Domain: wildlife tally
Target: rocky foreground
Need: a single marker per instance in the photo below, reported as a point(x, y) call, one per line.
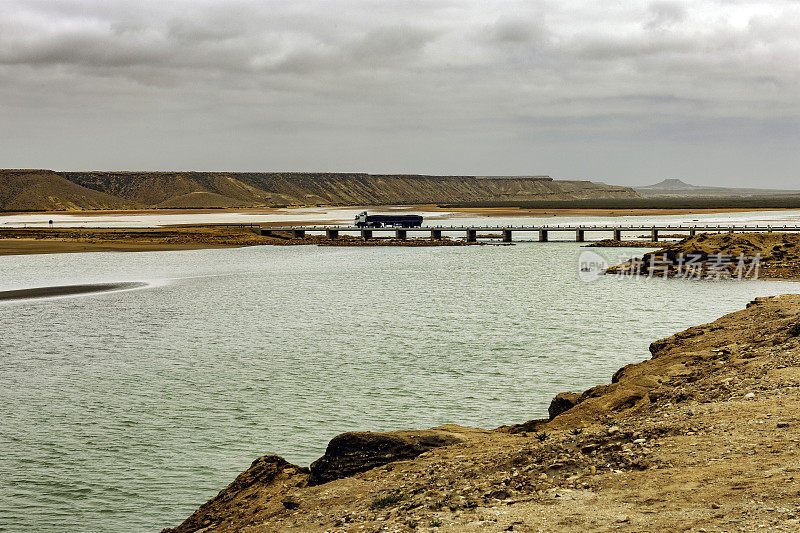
point(701, 437)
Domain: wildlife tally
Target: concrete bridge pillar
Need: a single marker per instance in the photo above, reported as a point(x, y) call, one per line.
point(692, 232)
point(654, 235)
point(730, 230)
point(472, 235)
point(436, 234)
point(506, 235)
point(332, 233)
point(579, 235)
point(366, 234)
point(617, 234)
point(542, 235)
point(401, 234)
point(298, 233)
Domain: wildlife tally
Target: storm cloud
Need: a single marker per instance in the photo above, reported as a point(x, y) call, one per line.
point(623, 92)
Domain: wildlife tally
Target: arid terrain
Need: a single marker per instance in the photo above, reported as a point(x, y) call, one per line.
point(47, 190)
point(702, 437)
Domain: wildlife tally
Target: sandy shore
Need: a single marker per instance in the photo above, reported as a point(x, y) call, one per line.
point(73, 240)
point(66, 290)
point(510, 212)
point(45, 241)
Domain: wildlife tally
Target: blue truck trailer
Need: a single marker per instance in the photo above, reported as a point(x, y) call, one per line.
point(363, 220)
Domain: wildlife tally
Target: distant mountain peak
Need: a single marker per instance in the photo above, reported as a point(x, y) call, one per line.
point(671, 183)
point(675, 188)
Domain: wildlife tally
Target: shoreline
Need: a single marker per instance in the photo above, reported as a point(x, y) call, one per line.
point(695, 437)
point(496, 211)
point(177, 238)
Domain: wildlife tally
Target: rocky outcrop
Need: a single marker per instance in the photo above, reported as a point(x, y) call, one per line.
point(259, 490)
point(270, 486)
point(351, 453)
point(721, 256)
point(562, 402)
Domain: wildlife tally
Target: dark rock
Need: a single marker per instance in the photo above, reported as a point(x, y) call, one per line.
point(621, 372)
point(499, 494)
point(659, 345)
point(530, 425)
point(290, 503)
point(351, 453)
point(589, 448)
point(563, 401)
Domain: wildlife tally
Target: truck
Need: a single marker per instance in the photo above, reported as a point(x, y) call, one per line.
point(363, 220)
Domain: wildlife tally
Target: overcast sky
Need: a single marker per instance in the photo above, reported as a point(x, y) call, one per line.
point(615, 91)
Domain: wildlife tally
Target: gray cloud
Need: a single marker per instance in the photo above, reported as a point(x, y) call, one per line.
point(440, 86)
point(665, 14)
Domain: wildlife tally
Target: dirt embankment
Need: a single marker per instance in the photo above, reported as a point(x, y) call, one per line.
point(722, 256)
point(702, 437)
point(614, 243)
point(45, 190)
point(50, 241)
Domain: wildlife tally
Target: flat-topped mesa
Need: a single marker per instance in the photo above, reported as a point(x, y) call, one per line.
point(37, 190)
point(535, 178)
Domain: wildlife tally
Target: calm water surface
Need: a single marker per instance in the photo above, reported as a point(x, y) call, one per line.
point(124, 411)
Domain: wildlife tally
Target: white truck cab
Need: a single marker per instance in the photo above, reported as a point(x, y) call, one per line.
point(361, 219)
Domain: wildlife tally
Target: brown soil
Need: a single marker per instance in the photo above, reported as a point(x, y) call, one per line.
point(48, 241)
point(702, 437)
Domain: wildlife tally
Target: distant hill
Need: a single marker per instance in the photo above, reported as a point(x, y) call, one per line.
point(45, 190)
point(40, 190)
point(675, 188)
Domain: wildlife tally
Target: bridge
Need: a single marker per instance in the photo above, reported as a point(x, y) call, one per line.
point(473, 233)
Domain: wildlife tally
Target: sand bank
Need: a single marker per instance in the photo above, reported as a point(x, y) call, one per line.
point(73, 240)
point(66, 290)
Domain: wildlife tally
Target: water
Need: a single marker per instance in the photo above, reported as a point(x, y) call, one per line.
point(124, 411)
